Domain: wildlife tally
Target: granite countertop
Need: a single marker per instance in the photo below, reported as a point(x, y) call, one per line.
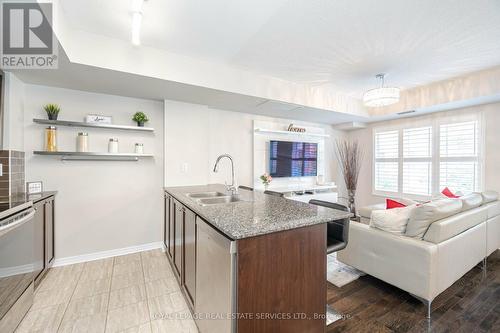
point(258, 214)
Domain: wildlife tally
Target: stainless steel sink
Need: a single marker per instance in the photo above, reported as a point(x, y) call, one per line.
point(219, 200)
point(200, 195)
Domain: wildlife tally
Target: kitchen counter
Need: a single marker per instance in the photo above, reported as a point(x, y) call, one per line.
point(13, 204)
point(258, 213)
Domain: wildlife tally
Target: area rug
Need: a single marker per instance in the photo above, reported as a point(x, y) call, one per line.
point(340, 274)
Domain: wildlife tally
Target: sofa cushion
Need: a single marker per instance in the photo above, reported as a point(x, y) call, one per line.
point(493, 209)
point(366, 211)
point(470, 201)
point(425, 214)
point(391, 220)
point(451, 226)
point(489, 196)
point(391, 204)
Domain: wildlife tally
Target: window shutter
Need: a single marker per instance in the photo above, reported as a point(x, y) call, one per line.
point(386, 144)
point(386, 161)
point(459, 156)
point(417, 161)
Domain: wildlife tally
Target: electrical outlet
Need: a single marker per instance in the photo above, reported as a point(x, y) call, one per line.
point(184, 168)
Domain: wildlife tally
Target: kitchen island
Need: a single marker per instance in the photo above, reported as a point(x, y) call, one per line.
point(250, 262)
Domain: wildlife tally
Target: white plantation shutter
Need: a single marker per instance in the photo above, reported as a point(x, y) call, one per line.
point(458, 140)
point(386, 145)
point(386, 161)
point(459, 157)
point(386, 176)
point(420, 161)
point(417, 161)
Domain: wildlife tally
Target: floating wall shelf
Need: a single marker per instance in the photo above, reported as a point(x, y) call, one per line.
point(262, 130)
point(91, 156)
point(84, 124)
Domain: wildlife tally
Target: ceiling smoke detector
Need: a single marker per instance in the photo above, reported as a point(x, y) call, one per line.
point(381, 96)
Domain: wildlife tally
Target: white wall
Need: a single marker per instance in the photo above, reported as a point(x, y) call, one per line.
point(12, 131)
point(196, 135)
point(100, 205)
point(491, 121)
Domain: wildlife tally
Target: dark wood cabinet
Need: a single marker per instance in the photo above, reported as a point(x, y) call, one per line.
point(180, 242)
point(178, 238)
point(39, 240)
point(171, 227)
point(44, 240)
point(189, 276)
point(49, 232)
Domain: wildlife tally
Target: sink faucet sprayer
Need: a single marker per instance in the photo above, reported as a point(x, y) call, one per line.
point(232, 187)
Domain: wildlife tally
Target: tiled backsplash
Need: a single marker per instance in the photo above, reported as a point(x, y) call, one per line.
point(12, 179)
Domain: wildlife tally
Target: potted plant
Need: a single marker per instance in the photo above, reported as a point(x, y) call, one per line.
point(140, 118)
point(266, 180)
point(52, 111)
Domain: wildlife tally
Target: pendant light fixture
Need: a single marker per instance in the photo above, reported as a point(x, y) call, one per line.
point(381, 96)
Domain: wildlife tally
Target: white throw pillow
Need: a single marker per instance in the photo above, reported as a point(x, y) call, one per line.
point(423, 215)
point(391, 220)
point(470, 201)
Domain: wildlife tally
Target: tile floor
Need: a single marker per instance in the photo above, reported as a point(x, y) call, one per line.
point(132, 293)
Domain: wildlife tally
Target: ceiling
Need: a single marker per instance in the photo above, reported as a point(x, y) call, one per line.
point(341, 43)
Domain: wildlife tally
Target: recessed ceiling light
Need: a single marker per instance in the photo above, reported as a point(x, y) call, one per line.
point(381, 96)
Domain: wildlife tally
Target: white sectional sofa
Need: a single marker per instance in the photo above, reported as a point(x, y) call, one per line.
point(460, 234)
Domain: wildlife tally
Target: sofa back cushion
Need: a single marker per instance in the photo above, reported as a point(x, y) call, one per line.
point(471, 201)
point(423, 215)
point(391, 220)
point(489, 196)
point(451, 226)
point(366, 211)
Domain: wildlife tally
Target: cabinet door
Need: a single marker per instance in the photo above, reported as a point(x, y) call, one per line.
point(178, 230)
point(39, 235)
point(49, 232)
point(189, 279)
point(166, 224)
point(171, 228)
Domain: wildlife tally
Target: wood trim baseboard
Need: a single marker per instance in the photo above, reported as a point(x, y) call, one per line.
point(107, 254)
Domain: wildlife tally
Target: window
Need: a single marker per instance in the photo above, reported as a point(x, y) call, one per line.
point(386, 161)
point(459, 156)
point(417, 161)
point(421, 161)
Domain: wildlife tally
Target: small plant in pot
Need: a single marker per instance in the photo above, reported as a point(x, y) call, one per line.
point(140, 118)
point(52, 111)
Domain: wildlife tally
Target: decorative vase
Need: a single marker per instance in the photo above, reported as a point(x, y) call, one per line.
point(352, 204)
point(52, 116)
point(266, 186)
point(140, 123)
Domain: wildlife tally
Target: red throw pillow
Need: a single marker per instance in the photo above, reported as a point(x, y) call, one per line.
point(390, 204)
point(446, 191)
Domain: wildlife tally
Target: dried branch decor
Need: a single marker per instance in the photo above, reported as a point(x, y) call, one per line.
point(350, 156)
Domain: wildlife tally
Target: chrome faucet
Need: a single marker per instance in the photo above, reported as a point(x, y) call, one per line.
point(232, 187)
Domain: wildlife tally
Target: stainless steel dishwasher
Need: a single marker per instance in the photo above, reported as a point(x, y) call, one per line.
point(215, 280)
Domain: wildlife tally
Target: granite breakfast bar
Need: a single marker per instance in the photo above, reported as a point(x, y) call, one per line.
point(250, 262)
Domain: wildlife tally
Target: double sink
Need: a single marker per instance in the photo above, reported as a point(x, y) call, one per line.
point(213, 198)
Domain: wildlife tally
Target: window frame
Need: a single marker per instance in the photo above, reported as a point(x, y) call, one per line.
point(435, 159)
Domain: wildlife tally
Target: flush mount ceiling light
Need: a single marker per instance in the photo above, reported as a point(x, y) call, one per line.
point(381, 96)
point(136, 21)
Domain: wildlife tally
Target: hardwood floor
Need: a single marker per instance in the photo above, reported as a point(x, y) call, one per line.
point(472, 304)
